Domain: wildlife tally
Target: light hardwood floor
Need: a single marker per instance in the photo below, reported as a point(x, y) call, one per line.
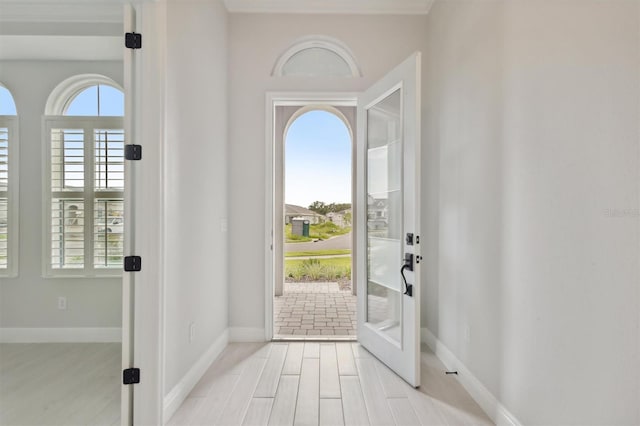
point(60, 383)
point(322, 384)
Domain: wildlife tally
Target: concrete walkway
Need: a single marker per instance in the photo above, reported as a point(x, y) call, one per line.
point(315, 309)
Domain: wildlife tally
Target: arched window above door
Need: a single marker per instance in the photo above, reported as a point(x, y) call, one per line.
point(317, 56)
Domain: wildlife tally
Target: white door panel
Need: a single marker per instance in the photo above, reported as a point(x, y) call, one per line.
point(388, 155)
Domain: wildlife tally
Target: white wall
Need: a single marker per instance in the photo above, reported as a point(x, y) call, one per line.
point(30, 301)
point(378, 43)
point(532, 110)
point(196, 278)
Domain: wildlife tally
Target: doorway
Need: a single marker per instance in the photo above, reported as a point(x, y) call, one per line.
point(317, 299)
point(312, 246)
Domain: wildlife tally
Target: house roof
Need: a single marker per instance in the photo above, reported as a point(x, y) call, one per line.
point(291, 209)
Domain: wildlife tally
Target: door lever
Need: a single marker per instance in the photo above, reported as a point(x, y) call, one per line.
point(408, 265)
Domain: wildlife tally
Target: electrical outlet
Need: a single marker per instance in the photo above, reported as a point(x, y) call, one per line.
point(192, 332)
point(62, 303)
point(224, 225)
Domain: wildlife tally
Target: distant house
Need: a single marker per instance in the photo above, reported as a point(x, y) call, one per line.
point(341, 219)
point(377, 213)
point(292, 211)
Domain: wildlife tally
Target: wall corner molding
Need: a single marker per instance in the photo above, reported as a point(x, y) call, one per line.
point(180, 391)
point(487, 401)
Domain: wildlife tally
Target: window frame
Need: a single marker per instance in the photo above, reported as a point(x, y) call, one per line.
point(13, 217)
point(88, 124)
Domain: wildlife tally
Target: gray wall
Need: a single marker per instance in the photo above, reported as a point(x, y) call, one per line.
point(195, 169)
point(531, 110)
point(30, 300)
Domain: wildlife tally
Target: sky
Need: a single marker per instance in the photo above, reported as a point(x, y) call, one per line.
point(317, 160)
point(7, 106)
point(111, 102)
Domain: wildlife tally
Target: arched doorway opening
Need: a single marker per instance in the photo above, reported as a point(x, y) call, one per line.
point(316, 299)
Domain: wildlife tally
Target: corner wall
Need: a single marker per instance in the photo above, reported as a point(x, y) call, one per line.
point(196, 277)
point(531, 109)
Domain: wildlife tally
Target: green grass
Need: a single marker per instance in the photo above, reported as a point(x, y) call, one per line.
point(317, 253)
point(318, 269)
point(321, 231)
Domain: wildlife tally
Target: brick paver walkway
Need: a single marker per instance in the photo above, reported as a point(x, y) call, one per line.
point(315, 309)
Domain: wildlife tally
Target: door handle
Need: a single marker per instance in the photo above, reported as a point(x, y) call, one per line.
point(408, 265)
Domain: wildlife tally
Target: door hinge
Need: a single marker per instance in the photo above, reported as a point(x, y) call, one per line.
point(130, 376)
point(133, 152)
point(132, 263)
point(133, 40)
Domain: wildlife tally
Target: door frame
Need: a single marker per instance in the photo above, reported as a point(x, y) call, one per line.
point(143, 327)
point(274, 250)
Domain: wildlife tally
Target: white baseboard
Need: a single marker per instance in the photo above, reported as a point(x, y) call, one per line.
point(60, 335)
point(485, 399)
point(179, 393)
point(246, 334)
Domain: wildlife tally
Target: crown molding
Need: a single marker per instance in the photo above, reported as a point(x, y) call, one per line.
point(368, 7)
point(66, 11)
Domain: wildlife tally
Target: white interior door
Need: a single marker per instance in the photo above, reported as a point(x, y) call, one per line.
point(388, 199)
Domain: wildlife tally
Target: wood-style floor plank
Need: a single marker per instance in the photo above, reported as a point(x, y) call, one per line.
point(402, 411)
point(293, 362)
point(311, 350)
point(346, 362)
point(239, 400)
point(308, 402)
point(271, 374)
point(258, 412)
point(377, 407)
point(216, 399)
point(329, 380)
point(393, 385)
point(284, 405)
point(353, 406)
point(331, 412)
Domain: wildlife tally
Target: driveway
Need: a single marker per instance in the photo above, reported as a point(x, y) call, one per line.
point(335, 243)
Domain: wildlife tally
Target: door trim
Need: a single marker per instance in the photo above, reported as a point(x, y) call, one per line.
point(273, 165)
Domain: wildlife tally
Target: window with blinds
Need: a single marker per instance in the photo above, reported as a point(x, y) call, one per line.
point(8, 196)
point(86, 168)
point(4, 198)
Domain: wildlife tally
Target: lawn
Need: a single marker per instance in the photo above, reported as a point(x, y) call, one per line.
point(321, 231)
point(330, 269)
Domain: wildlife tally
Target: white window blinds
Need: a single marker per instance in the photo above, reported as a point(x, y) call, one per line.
point(8, 196)
point(85, 196)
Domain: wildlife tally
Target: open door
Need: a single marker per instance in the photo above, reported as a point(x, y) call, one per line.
point(388, 200)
